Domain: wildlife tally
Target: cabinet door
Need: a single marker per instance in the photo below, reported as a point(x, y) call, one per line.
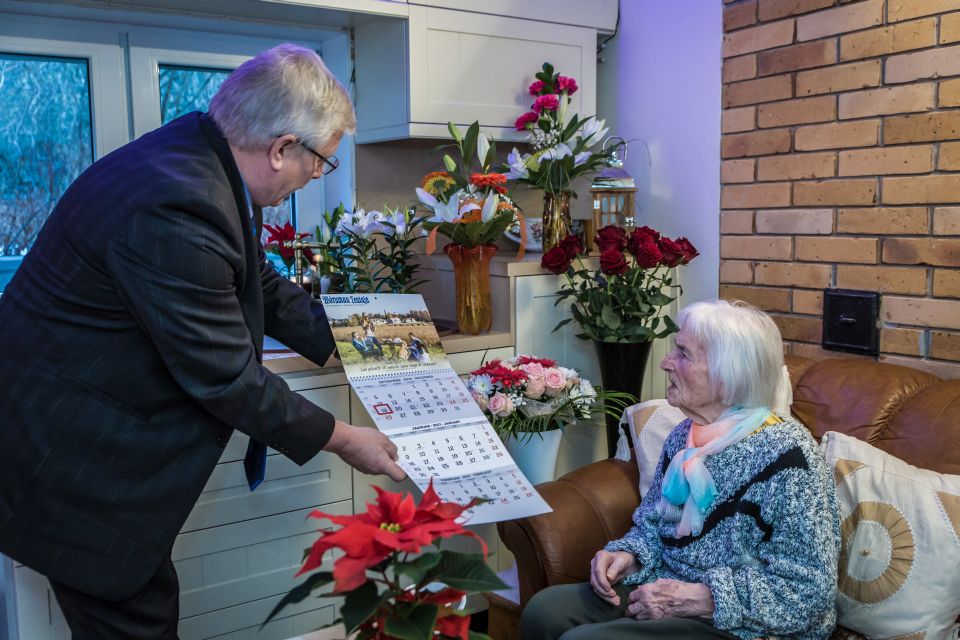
point(468, 66)
point(599, 14)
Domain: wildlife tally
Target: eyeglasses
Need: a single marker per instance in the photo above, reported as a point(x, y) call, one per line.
point(328, 165)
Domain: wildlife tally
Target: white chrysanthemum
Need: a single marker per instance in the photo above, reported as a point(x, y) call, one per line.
point(482, 384)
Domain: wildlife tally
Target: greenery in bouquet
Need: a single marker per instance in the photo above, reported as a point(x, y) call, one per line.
point(623, 300)
point(526, 395)
point(468, 201)
point(396, 581)
point(562, 142)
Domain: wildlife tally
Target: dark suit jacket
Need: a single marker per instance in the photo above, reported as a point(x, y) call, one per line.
point(131, 344)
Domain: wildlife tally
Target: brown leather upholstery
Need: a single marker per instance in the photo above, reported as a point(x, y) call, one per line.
point(910, 414)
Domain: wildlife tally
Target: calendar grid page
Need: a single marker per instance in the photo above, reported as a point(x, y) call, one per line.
point(394, 361)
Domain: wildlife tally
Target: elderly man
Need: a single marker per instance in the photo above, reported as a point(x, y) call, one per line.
point(132, 341)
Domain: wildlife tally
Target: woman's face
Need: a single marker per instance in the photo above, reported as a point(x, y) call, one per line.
point(689, 387)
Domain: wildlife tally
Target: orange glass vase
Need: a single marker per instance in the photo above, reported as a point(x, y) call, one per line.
point(471, 270)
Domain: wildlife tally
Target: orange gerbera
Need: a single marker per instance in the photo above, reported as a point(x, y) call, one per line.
point(484, 180)
point(437, 182)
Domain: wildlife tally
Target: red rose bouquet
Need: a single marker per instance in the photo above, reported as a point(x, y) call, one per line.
point(394, 585)
point(623, 300)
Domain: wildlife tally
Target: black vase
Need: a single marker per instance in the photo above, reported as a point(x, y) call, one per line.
point(622, 365)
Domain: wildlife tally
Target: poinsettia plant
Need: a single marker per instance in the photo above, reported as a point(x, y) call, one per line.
point(526, 395)
point(623, 299)
point(396, 586)
point(279, 243)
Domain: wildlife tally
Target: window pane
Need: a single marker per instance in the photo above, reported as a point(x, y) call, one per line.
point(46, 140)
point(186, 89)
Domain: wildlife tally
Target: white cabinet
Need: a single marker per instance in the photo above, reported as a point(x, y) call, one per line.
point(599, 14)
point(453, 66)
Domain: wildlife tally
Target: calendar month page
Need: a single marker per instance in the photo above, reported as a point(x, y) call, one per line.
point(396, 364)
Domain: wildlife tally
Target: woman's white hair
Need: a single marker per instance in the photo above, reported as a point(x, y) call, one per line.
point(744, 351)
point(286, 89)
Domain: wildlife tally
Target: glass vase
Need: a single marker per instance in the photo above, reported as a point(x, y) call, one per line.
point(557, 223)
point(471, 270)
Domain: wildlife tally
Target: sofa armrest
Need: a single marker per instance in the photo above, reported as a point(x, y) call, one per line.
point(591, 506)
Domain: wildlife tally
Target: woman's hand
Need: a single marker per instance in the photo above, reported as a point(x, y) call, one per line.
point(607, 569)
point(664, 598)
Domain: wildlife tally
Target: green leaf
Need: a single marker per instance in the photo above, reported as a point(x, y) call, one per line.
point(609, 317)
point(466, 572)
point(360, 604)
point(300, 592)
point(424, 617)
point(562, 322)
point(474, 635)
point(417, 569)
point(469, 146)
point(403, 629)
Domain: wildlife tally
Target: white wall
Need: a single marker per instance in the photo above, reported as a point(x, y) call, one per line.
point(661, 83)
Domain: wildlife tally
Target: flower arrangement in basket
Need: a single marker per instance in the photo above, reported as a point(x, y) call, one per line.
point(395, 585)
point(526, 395)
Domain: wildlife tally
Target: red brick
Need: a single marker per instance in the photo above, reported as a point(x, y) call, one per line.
point(797, 166)
point(835, 249)
point(737, 170)
point(766, 36)
point(740, 15)
point(756, 247)
point(755, 144)
point(949, 156)
point(945, 345)
point(950, 28)
point(802, 111)
point(945, 370)
point(883, 220)
point(946, 283)
point(764, 298)
point(755, 196)
point(835, 192)
point(815, 352)
point(734, 120)
point(741, 68)
point(949, 93)
point(736, 222)
point(844, 77)
point(756, 91)
point(882, 279)
point(946, 221)
point(892, 39)
point(921, 189)
point(905, 9)
point(773, 9)
point(840, 135)
point(796, 221)
point(840, 20)
point(886, 160)
point(904, 341)
point(799, 328)
point(926, 127)
point(873, 102)
point(793, 274)
point(808, 302)
point(921, 312)
point(736, 271)
point(922, 251)
point(796, 57)
point(932, 63)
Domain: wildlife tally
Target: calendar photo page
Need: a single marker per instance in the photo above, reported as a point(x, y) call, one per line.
point(395, 362)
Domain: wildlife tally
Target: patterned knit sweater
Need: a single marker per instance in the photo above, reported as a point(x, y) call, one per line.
point(770, 542)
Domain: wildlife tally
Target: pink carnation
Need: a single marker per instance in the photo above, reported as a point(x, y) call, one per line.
point(555, 381)
point(500, 405)
point(568, 85)
point(535, 388)
point(526, 119)
point(549, 102)
point(537, 87)
point(532, 369)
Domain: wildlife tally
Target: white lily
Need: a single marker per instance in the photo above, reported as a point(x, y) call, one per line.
point(483, 146)
point(398, 219)
point(593, 131)
point(324, 232)
point(517, 164)
point(361, 223)
point(489, 207)
point(581, 157)
point(445, 211)
point(559, 150)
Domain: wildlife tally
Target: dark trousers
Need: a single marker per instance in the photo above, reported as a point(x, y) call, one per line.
point(575, 612)
point(149, 614)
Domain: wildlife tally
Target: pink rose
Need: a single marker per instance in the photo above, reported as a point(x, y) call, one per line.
point(535, 388)
point(549, 102)
point(481, 399)
point(566, 84)
point(537, 87)
point(532, 369)
point(555, 381)
point(500, 405)
point(525, 120)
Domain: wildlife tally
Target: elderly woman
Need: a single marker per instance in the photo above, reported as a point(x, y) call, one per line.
point(738, 536)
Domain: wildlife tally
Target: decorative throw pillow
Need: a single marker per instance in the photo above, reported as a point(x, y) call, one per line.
point(900, 552)
point(649, 424)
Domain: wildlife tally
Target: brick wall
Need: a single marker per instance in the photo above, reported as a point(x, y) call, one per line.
point(841, 167)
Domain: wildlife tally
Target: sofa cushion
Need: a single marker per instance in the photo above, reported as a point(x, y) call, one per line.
point(901, 543)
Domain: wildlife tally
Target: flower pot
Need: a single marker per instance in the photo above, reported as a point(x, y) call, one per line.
point(622, 365)
point(471, 270)
point(536, 456)
point(557, 223)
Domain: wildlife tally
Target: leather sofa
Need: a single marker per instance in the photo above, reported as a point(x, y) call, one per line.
point(912, 415)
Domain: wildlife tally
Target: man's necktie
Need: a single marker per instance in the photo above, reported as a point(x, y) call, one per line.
point(255, 463)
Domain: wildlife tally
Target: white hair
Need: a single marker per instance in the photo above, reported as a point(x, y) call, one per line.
point(744, 351)
point(286, 89)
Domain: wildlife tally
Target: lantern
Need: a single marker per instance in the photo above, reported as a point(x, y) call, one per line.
point(613, 192)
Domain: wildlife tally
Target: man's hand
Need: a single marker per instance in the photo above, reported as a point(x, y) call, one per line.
point(365, 449)
point(664, 598)
point(607, 569)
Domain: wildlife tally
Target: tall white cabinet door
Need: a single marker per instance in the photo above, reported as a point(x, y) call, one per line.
point(599, 14)
point(469, 66)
